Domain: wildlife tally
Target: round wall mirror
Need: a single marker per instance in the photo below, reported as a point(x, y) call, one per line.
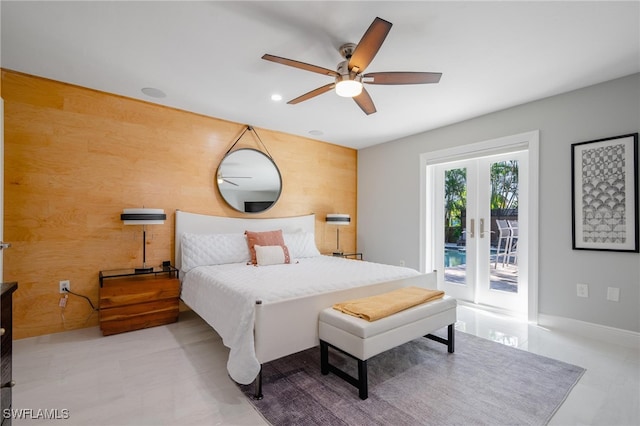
point(249, 180)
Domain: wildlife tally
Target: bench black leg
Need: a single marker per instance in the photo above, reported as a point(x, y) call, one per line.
point(362, 382)
point(363, 386)
point(325, 368)
point(451, 337)
point(449, 341)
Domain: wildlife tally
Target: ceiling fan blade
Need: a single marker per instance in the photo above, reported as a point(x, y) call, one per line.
point(369, 44)
point(400, 77)
point(313, 93)
point(365, 102)
point(301, 65)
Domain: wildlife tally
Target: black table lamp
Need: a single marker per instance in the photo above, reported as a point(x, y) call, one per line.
point(143, 217)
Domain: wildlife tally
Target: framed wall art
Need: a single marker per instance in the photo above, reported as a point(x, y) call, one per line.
point(604, 192)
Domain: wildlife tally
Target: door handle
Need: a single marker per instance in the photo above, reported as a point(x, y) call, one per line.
point(4, 245)
point(482, 231)
point(472, 232)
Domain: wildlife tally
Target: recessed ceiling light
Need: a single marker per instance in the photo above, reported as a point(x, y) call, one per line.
point(153, 92)
point(276, 97)
point(316, 132)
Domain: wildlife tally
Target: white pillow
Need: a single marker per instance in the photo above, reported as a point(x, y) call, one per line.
point(271, 255)
point(301, 244)
point(213, 249)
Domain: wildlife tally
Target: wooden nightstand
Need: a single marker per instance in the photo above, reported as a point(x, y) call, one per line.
point(131, 301)
point(357, 256)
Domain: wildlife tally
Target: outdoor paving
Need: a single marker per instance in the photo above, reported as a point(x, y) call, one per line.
point(504, 278)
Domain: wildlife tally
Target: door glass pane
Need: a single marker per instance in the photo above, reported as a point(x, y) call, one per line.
point(504, 224)
point(455, 205)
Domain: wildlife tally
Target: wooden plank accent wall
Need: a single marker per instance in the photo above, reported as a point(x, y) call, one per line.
point(75, 157)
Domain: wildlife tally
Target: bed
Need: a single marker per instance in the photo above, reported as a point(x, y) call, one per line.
point(267, 312)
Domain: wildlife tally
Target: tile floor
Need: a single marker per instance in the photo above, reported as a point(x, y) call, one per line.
point(176, 375)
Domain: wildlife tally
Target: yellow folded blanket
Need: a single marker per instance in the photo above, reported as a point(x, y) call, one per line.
point(382, 305)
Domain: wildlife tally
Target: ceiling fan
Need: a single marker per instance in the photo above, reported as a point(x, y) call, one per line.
point(349, 76)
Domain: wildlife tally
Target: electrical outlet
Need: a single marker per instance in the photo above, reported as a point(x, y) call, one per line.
point(583, 290)
point(65, 286)
point(613, 294)
point(402, 263)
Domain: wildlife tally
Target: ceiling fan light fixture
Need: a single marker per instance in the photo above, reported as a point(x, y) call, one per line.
point(348, 88)
point(349, 75)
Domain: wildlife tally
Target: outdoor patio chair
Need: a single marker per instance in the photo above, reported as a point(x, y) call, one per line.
point(513, 242)
point(504, 241)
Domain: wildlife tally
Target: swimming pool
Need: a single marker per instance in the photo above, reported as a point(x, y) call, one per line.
point(458, 256)
point(454, 257)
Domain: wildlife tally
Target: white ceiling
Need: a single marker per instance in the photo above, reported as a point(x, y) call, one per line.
point(206, 56)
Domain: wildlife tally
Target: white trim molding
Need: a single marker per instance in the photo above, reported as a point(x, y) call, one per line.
point(618, 336)
point(529, 141)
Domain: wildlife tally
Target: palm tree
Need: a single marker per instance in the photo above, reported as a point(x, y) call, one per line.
point(504, 185)
point(455, 196)
point(504, 193)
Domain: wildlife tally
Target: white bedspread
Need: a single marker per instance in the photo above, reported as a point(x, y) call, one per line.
point(225, 296)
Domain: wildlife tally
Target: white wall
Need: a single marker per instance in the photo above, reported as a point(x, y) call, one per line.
point(389, 185)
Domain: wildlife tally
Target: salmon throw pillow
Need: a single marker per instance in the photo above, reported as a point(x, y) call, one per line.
point(267, 238)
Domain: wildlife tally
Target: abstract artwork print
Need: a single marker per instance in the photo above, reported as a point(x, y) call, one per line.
point(604, 192)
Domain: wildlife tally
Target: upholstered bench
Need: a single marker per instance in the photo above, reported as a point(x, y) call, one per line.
point(361, 339)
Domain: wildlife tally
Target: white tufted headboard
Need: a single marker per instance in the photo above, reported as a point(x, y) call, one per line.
point(204, 224)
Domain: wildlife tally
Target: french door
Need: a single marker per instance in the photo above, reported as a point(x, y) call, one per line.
point(480, 228)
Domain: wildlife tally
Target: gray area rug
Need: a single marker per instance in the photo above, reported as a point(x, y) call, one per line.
point(419, 383)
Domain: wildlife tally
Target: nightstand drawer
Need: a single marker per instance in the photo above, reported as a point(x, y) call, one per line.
point(137, 316)
point(132, 290)
point(131, 301)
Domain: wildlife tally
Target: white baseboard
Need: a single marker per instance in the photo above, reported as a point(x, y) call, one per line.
point(493, 309)
point(603, 333)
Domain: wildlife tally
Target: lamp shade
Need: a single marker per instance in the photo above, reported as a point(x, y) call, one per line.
point(143, 216)
point(338, 219)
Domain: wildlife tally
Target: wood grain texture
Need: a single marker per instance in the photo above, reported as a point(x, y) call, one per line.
point(135, 302)
point(134, 317)
point(134, 290)
point(75, 157)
